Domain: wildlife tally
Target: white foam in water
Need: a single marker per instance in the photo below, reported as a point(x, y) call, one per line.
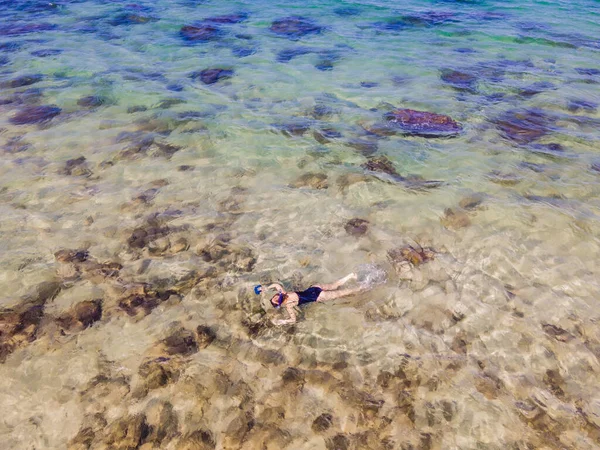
point(370, 275)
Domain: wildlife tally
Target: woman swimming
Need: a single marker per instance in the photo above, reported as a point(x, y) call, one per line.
point(315, 293)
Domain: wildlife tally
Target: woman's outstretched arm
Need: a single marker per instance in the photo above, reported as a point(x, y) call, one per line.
point(292, 319)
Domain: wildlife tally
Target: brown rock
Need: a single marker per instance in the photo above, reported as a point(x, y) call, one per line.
point(557, 333)
point(127, 433)
point(82, 440)
point(555, 382)
point(322, 423)
point(523, 126)
point(471, 201)
point(157, 373)
point(205, 335)
point(293, 376)
point(20, 325)
point(311, 180)
point(198, 440)
point(180, 342)
point(455, 219)
point(180, 245)
point(338, 442)
point(82, 316)
point(410, 254)
point(162, 422)
point(66, 255)
point(381, 164)
point(422, 123)
point(356, 227)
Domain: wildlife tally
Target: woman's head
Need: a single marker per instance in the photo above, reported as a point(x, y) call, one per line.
point(277, 299)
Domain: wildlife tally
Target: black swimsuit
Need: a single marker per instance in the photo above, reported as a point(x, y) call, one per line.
point(309, 295)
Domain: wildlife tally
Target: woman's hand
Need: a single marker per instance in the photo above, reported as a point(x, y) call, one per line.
point(280, 322)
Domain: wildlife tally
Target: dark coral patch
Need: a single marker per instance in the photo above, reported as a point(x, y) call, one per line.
point(286, 55)
point(92, 101)
point(587, 71)
point(16, 29)
point(294, 27)
point(422, 123)
point(458, 80)
point(200, 33)
point(35, 114)
point(23, 80)
point(131, 19)
point(46, 52)
point(523, 126)
point(211, 76)
point(347, 11)
point(228, 18)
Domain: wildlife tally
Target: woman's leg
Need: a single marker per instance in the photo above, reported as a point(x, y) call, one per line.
point(332, 295)
point(338, 283)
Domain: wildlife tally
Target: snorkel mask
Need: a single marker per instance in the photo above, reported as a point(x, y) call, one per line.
point(258, 289)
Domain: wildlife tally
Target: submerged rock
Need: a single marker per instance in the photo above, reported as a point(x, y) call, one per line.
point(229, 256)
point(76, 167)
point(205, 336)
point(383, 169)
point(16, 29)
point(322, 423)
point(227, 18)
point(22, 81)
point(211, 76)
point(294, 27)
point(557, 333)
point(131, 19)
point(504, 179)
point(92, 101)
point(455, 219)
point(294, 128)
point(326, 135)
point(35, 115)
point(458, 80)
point(422, 123)
point(127, 433)
point(43, 53)
point(19, 325)
point(142, 300)
point(162, 422)
point(82, 316)
point(365, 147)
point(180, 342)
point(200, 33)
point(356, 227)
point(587, 71)
point(410, 254)
point(67, 256)
point(380, 164)
point(346, 11)
point(311, 180)
point(552, 151)
point(197, 440)
point(523, 126)
point(471, 201)
point(576, 105)
point(286, 55)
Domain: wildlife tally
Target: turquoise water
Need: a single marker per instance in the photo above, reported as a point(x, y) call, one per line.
point(181, 188)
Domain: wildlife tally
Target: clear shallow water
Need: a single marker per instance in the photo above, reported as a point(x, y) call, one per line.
point(492, 344)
